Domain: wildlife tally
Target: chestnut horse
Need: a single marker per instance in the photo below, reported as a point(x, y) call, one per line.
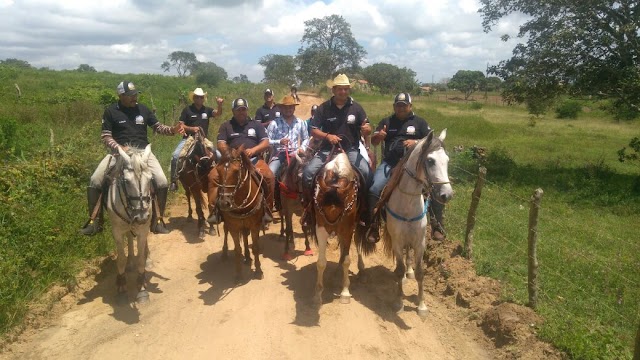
point(290, 197)
point(336, 205)
point(129, 207)
point(193, 175)
point(241, 203)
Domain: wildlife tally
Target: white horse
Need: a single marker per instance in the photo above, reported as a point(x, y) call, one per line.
point(129, 206)
point(423, 171)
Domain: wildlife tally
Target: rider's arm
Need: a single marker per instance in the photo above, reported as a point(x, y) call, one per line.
point(272, 132)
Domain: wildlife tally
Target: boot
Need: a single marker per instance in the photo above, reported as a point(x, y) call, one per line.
point(93, 225)
point(157, 223)
point(436, 217)
point(213, 218)
point(373, 234)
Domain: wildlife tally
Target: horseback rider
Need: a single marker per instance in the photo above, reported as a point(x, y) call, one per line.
point(124, 125)
point(194, 117)
point(338, 121)
point(241, 130)
point(400, 131)
point(287, 134)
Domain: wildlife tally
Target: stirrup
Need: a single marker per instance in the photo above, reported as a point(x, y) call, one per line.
point(91, 228)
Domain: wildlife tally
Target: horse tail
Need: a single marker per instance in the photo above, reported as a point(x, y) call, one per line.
point(366, 248)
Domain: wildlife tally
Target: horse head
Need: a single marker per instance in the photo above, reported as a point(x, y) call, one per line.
point(433, 163)
point(234, 169)
point(336, 189)
point(133, 182)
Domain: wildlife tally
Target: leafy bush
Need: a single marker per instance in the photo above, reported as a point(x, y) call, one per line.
point(568, 109)
point(8, 130)
point(476, 105)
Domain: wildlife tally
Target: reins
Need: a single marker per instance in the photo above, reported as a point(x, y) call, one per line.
point(245, 202)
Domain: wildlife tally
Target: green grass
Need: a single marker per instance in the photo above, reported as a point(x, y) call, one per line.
point(588, 252)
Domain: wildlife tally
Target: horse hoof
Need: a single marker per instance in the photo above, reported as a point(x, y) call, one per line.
point(345, 299)
point(308, 252)
point(148, 264)
point(411, 276)
point(286, 257)
point(423, 313)
point(212, 231)
point(142, 298)
point(258, 275)
point(404, 280)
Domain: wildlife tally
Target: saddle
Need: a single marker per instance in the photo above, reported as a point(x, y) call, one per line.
point(188, 149)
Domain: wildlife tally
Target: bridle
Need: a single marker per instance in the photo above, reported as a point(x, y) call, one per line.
point(126, 199)
point(245, 177)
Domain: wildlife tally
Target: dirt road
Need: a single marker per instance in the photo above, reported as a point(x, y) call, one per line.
point(196, 310)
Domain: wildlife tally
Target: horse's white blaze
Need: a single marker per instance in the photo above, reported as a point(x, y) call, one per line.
point(341, 166)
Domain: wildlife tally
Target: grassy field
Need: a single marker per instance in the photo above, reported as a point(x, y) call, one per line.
point(588, 252)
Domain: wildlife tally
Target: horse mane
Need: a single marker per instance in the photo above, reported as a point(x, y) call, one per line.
point(334, 179)
point(137, 164)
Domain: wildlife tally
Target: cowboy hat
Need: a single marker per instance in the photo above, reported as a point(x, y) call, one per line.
point(197, 92)
point(340, 80)
point(288, 100)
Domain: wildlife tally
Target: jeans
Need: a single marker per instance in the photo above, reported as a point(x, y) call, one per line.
point(109, 161)
point(318, 161)
point(174, 159)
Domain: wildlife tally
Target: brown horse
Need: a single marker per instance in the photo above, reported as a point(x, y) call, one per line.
point(336, 206)
point(193, 173)
point(290, 197)
point(241, 202)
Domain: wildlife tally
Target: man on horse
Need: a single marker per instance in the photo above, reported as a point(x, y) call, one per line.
point(286, 134)
point(238, 131)
point(125, 124)
point(339, 121)
point(399, 132)
point(194, 117)
point(268, 111)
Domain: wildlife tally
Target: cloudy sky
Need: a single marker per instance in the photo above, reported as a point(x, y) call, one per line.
point(435, 38)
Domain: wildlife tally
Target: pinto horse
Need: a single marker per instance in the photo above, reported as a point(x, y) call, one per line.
point(129, 207)
point(193, 174)
point(241, 202)
point(290, 194)
point(423, 170)
point(336, 206)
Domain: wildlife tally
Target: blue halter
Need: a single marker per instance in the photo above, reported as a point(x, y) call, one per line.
point(419, 217)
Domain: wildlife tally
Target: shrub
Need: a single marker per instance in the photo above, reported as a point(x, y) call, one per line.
point(568, 109)
point(476, 105)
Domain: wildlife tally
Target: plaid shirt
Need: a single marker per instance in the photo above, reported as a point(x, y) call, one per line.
point(279, 129)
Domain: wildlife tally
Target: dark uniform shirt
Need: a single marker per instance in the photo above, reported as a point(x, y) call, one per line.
point(345, 122)
point(265, 114)
point(250, 134)
point(414, 127)
point(194, 117)
point(128, 126)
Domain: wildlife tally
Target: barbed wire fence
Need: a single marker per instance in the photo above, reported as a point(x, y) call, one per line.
point(585, 277)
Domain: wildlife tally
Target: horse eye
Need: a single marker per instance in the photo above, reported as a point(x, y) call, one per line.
point(431, 162)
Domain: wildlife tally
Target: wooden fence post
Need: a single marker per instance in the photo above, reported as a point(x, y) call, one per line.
point(471, 216)
point(532, 254)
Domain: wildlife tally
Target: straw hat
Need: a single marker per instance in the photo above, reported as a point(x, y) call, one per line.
point(288, 100)
point(197, 92)
point(340, 80)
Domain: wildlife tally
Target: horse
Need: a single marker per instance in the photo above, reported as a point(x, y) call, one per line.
point(423, 170)
point(193, 175)
point(336, 206)
point(129, 207)
point(241, 203)
point(290, 185)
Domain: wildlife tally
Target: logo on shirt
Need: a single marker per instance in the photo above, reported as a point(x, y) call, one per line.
point(411, 130)
point(204, 116)
point(351, 119)
point(251, 132)
point(139, 120)
point(277, 113)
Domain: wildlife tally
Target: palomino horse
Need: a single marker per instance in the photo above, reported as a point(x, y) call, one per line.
point(241, 203)
point(421, 171)
point(290, 194)
point(129, 206)
point(336, 206)
point(193, 175)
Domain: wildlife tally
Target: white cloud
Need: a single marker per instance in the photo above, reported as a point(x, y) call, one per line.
point(435, 38)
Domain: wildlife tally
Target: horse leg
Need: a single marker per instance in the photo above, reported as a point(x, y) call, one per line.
point(422, 307)
point(131, 255)
point(285, 227)
point(321, 264)
point(247, 252)
point(235, 235)
point(255, 242)
point(400, 270)
point(201, 222)
point(345, 295)
point(409, 274)
point(190, 211)
point(121, 263)
point(143, 295)
point(225, 246)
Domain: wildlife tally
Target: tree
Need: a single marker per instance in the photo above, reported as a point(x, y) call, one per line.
point(390, 78)
point(86, 68)
point(184, 62)
point(209, 73)
point(242, 79)
point(280, 69)
point(572, 46)
point(492, 83)
point(467, 81)
point(327, 45)
point(17, 63)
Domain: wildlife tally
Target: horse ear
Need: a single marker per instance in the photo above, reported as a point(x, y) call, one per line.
point(443, 134)
point(123, 154)
point(147, 152)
